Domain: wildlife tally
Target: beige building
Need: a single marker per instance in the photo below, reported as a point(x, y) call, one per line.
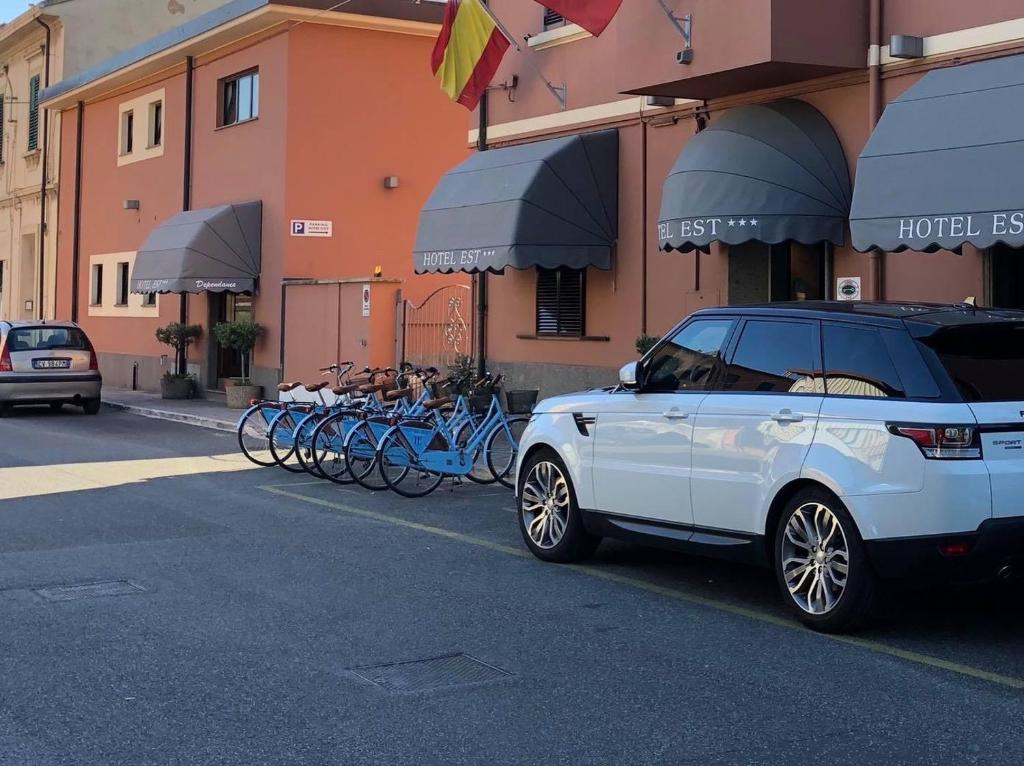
point(52, 40)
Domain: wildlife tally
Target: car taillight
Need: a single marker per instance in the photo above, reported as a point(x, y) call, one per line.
point(94, 363)
point(5, 360)
point(942, 442)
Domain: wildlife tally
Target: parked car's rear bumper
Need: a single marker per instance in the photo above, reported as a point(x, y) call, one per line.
point(994, 546)
point(26, 388)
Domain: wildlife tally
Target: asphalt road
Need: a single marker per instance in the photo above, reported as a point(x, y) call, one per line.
point(165, 604)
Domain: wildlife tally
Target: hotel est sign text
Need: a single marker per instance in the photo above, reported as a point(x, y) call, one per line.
point(959, 227)
point(442, 259)
point(706, 227)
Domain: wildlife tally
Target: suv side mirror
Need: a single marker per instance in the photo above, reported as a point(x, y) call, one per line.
point(628, 376)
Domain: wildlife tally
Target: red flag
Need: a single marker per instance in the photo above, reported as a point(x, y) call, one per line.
point(468, 51)
point(592, 15)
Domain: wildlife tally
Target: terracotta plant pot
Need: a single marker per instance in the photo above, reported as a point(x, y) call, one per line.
point(239, 396)
point(176, 388)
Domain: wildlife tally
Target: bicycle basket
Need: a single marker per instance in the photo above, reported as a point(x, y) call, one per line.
point(521, 402)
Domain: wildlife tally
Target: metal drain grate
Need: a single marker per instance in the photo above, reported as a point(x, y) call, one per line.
point(434, 673)
point(89, 590)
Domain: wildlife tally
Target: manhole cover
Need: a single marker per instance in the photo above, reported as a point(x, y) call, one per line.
point(434, 673)
point(76, 591)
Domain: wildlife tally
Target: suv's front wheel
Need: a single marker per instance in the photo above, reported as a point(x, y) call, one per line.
point(549, 517)
point(821, 565)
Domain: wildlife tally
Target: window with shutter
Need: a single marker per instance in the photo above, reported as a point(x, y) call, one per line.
point(33, 113)
point(552, 19)
point(561, 302)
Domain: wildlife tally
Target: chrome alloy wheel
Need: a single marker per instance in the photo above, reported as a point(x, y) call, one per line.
point(545, 505)
point(815, 558)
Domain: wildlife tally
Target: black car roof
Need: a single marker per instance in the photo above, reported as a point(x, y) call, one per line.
point(880, 313)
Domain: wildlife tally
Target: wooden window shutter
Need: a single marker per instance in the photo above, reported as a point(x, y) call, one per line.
point(561, 302)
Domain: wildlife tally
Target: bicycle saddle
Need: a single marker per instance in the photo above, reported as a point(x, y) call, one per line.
point(284, 388)
point(394, 396)
point(342, 390)
point(316, 387)
point(433, 404)
point(373, 388)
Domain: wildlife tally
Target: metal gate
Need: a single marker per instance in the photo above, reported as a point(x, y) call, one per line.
point(439, 329)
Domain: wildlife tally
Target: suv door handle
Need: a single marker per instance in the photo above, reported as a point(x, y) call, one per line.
point(675, 414)
point(787, 416)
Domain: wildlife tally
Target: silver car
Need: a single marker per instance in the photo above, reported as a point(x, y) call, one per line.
point(48, 363)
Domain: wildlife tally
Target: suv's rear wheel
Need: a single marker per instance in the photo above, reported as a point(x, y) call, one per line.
point(820, 563)
point(91, 406)
point(549, 517)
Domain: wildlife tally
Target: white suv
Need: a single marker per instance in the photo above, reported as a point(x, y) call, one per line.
point(838, 443)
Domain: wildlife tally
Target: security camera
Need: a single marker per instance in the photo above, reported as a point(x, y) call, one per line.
point(685, 56)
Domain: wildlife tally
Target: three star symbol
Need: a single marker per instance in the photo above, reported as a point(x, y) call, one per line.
point(742, 222)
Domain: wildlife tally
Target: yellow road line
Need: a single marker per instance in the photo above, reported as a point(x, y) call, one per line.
point(673, 593)
point(38, 480)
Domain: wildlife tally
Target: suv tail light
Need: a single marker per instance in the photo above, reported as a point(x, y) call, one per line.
point(94, 363)
point(5, 360)
point(942, 442)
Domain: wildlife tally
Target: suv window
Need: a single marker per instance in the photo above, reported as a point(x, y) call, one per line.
point(774, 357)
point(45, 338)
point(985, 362)
point(857, 363)
point(687, 360)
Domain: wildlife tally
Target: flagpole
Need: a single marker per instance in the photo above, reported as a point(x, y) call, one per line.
point(561, 93)
point(481, 277)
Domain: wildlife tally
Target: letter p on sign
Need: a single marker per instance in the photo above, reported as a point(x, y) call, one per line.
point(298, 228)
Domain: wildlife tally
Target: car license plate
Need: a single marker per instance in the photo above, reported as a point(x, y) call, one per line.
point(51, 364)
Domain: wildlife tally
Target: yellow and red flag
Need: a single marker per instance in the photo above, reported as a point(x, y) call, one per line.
point(468, 51)
point(593, 15)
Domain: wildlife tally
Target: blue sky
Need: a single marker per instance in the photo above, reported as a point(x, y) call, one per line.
point(11, 8)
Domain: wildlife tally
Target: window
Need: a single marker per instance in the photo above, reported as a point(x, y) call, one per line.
point(561, 304)
point(857, 363)
point(149, 299)
point(156, 123)
point(689, 360)
point(43, 338)
point(33, 113)
point(552, 20)
point(122, 284)
point(984, 361)
point(127, 132)
point(774, 357)
point(97, 285)
point(239, 98)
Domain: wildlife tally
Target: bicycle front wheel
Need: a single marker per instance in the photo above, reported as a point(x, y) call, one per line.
point(329, 450)
point(254, 436)
point(361, 457)
point(502, 449)
point(282, 443)
point(400, 469)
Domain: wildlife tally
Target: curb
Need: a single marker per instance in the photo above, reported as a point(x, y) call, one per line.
point(177, 417)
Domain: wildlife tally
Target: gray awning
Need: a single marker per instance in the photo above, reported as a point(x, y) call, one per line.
point(550, 203)
point(943, 167)
point(216, 249)
point(767, 172)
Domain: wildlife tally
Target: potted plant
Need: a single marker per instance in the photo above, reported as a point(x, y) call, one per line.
point(241, 336)
point(645, 343)
point(179, 384)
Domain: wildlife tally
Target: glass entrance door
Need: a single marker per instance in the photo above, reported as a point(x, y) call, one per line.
point(225, 307)
point(763, 273)
point(1007, 277)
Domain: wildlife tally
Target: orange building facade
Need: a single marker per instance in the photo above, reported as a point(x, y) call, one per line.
point(660, 82)
point(330, 120)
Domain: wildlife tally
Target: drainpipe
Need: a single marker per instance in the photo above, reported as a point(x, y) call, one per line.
point(76, 240)
point(876, 258)
point(643, 236)
point(481, 278)
point(186, 198)
point(44, 159)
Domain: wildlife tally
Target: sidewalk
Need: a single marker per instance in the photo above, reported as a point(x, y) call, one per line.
point(204, 413)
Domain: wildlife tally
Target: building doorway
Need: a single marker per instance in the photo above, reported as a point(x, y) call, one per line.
point(1006, 277)
point(226, 363)
point(27, 281)
point(789, 271)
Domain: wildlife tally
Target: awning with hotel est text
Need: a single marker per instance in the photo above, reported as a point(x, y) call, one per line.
point(216, 249)
point(549, 203)
point(945, 165)
point(766, 172)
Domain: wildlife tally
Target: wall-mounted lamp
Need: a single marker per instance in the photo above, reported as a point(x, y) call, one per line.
point(906, 47)
point(391, 182)
point(378, 272)
point(131, 204)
